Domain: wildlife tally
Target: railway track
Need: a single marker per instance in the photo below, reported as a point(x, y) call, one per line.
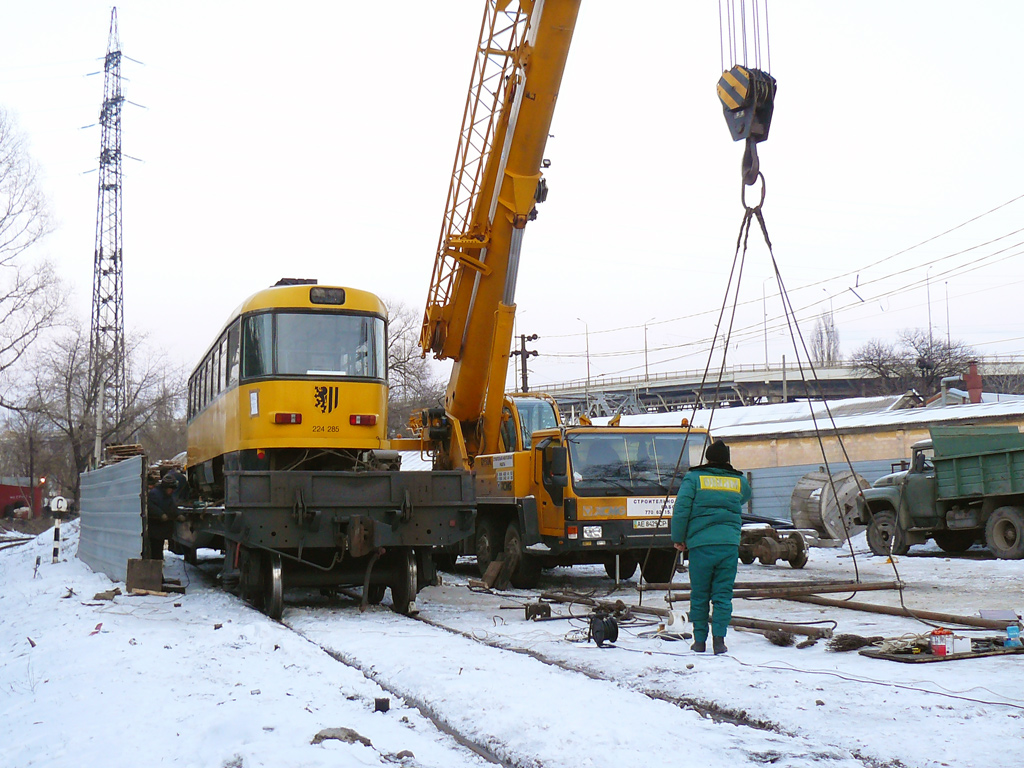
point(469, 683)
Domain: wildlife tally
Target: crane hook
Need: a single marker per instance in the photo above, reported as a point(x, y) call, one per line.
point(748, 100)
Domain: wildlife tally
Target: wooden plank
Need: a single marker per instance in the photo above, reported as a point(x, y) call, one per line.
point(145, 574)
point(925, 658)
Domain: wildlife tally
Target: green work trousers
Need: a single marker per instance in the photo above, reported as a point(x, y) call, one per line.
point(712, 575)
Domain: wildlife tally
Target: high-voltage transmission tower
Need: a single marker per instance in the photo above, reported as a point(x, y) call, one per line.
point(106, 343)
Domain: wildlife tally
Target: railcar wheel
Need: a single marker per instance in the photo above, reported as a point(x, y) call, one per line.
point(524, 570)
point(445, 561)
point(273, 585)
point(746, 557)
point(885, 536)
point(1004, 533)
point(375, 593)
point(404, 586)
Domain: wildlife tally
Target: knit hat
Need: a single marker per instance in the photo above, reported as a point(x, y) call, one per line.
point(717, 453)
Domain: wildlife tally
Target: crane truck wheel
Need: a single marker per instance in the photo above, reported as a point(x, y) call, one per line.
point(658, 566)
point(885, 536)
point(487, 543)
point(955, 541)
point(525, 570)
point(627, 566)
point(1004, 533)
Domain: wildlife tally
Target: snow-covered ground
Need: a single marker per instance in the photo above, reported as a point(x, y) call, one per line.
point(202, 680)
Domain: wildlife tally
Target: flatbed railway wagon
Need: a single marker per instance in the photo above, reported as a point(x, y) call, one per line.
point(288, 452)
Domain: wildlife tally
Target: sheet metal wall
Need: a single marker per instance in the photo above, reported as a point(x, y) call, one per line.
point(112, 511)
point(772, 487)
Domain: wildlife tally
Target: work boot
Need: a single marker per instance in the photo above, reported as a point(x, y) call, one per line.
point(718, 644)
point(699, 646)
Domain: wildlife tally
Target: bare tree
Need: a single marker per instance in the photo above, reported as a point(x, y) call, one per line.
point(413, 384)
point(916, 360)
point(65, 392)
point(825, 340)
point(30, 296)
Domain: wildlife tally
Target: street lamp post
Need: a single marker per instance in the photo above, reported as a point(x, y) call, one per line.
point(647, 373)
point(764, 317)
point(928, 294)
point(586, 330)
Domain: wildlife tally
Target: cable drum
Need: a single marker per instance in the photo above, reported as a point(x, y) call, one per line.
point(814, 504)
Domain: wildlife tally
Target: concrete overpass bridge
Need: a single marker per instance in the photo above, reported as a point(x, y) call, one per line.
point(741, 385)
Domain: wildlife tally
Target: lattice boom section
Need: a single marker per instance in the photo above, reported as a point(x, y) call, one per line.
point(501, 34)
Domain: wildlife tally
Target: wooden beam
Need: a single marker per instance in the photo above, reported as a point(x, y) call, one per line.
point(780, 592)
point(946, 618)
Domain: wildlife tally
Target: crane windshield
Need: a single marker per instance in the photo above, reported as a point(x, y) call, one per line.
point(637, 463)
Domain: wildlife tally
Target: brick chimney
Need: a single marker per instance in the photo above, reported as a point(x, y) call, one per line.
point(973, 382)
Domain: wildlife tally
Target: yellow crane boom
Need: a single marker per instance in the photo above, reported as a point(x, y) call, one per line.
point(495, 185)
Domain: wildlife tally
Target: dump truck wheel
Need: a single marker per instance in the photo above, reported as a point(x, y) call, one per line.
point(525, 570)
point(1004, 533)
point(955, 541)
point(627, 566)
point(885, 536)
point(487, 543)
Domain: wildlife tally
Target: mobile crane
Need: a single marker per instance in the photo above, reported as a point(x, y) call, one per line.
point(547, 493)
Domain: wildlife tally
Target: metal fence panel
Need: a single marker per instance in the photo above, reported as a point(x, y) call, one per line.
point(772, 487)
point(112, 512)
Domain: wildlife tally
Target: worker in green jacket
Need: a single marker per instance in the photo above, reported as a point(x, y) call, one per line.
point(706, 522)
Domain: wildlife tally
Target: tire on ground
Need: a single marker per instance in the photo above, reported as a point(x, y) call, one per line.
point(1004, 533)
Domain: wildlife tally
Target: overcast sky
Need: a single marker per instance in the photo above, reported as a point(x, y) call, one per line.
point(316, 140)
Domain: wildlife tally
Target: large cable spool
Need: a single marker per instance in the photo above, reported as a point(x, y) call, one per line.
point(814, 503)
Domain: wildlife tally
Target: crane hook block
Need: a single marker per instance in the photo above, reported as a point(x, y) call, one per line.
point(748, 99)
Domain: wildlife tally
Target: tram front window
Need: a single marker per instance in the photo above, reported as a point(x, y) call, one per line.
point(319, 344)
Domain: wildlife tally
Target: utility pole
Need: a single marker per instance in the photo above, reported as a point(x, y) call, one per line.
point(524, 353)
point(106, 341)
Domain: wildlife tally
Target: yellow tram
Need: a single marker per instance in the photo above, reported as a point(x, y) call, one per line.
point(296, 380)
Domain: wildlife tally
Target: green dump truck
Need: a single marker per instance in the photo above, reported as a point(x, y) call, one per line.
point(964, 485)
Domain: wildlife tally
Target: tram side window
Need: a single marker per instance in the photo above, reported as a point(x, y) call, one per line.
point(207, 381)
point(232, 355)
point(257, 338)
point(215, 373)
point(223, 373)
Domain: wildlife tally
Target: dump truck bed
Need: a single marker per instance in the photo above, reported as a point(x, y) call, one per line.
point(978, 461)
